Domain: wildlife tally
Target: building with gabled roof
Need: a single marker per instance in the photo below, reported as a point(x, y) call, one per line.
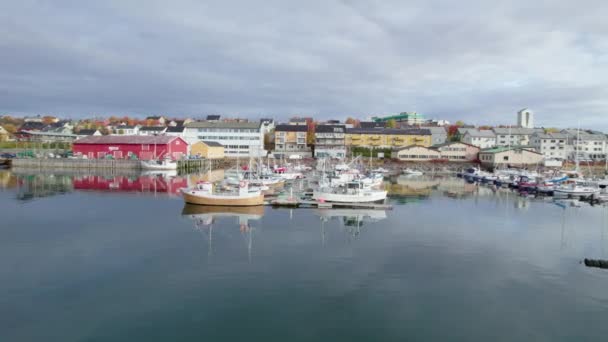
point(131, 146)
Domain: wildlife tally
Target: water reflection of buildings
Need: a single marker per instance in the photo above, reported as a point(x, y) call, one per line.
point(40, 185)
point(153, 183)
point(205, 217)
point(30, 186)
point(7, 180)
point(352, 220)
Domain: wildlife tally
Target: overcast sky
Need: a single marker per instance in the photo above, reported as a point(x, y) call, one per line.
point(479, 61)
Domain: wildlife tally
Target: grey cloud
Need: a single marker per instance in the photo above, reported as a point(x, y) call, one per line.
point(474, 60)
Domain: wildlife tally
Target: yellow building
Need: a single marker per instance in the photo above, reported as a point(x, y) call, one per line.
point(387, 137)
point(291, 140)
point(207, 150)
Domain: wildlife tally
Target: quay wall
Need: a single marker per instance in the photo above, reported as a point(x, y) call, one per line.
point(107, 164)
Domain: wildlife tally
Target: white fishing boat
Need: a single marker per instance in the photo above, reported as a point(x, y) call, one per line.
point(412, 172)
point(352, 192)
point(575, 190)
point(205, 193)
point(380, 170)
point(375, 179)
point(165, 164)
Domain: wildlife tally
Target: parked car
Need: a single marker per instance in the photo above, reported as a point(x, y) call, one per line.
point(8, 156)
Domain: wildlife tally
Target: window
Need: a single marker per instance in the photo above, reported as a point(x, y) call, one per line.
point(145, 147)
point(505, 158)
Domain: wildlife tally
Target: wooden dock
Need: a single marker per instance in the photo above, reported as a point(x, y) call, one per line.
point(299, 203)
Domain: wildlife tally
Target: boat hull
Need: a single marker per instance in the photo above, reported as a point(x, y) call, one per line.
point(232, 201)
point(368, 197)
point(161, 167)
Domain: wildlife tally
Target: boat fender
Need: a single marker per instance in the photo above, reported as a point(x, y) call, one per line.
point(599, 263)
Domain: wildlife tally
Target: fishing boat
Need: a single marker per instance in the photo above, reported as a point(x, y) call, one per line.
point(205, 193)
point(412, 172)
point(165, 164)
point(575, 190)
point(351, 192)
point(380, 170)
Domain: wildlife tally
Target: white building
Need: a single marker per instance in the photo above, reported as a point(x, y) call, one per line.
point(590, 145)
point(551, 145)
point(152, 130)
point(243, 139)
point(513, 136)
point(525, 118)
point(330, 141)
point(126, 130)
point(482, 139)
point(175, 131)
point(268, 125)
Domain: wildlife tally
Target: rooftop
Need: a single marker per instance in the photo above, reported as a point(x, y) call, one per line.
point(175, 129)
point(153, 128)
point(212, 143)
point(500, 149)
point(392, 131)
point(291, 128)
point(232, 124)
point(481, 134)
point(330, 129)
point(514, 131)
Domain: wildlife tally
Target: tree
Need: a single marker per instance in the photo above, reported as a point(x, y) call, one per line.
point(310, 134)
point(551, 130)
point(47, 120)
point(352, 121)
point(459, 123)
point(269, 141)
point(391, 123)
point(10, 128)
point(121, 131)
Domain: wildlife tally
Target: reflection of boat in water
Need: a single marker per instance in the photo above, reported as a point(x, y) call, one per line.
point(165, 164)
point(204, 218)
point(250, 213)
point(371, 215)
point(162, 173)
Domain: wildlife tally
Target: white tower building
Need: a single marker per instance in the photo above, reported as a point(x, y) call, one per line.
point(525, 118)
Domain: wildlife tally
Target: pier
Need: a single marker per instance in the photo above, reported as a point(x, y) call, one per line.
point(298, 203)
point(187, 165)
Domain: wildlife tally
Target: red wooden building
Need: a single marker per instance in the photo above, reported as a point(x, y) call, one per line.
point(125, 146)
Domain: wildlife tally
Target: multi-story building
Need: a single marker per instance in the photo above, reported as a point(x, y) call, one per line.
point(291, 140)
point(458, 152)
point(438, 134)
point(551, 145)
point(589, 145)
point(152, 130)
point(267, 125)
point(387, 138)
point(329, 141)
point(480, 138)
point(242, 139)
point(505, 156)
point(409, 118)
point(126, 130)
point(513, 136)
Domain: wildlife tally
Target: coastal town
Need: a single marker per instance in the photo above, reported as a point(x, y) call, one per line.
point(406, 137)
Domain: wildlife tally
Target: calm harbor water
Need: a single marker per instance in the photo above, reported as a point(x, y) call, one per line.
point(106, 258)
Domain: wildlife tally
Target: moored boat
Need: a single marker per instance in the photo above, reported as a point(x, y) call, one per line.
point(165, 164)
point(352, 192)
point(205, 194)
